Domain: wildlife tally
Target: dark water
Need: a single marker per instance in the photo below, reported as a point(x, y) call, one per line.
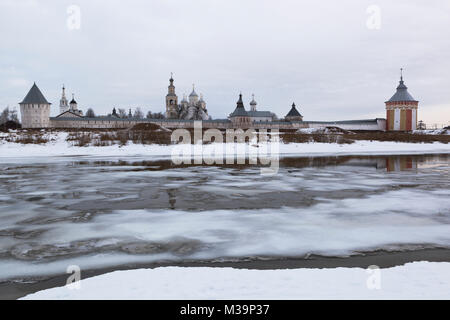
point(96, 212)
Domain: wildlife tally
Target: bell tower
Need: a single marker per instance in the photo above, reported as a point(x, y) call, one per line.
point(171, 101)
point(63, 103)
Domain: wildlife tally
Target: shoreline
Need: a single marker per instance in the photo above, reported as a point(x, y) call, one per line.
point(283, 150)
point(13, 290)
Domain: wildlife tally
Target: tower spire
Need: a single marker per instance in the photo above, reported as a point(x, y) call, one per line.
point(401, 74)
point(63, 103)
point(253, 103)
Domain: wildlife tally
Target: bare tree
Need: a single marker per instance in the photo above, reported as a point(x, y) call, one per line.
point(4, 116)
point(13, 116)
point(138, 114)
point(122, 113)
point(421, 125)
point(157, 115)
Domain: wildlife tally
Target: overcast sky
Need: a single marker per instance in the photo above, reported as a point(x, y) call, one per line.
point(329, 57)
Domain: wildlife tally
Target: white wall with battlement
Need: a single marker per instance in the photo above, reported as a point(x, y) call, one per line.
point(363, 125)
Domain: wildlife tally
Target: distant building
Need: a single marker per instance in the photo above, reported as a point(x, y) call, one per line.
point(259, 116)
point(240, 116)
point(194, 109)
point(35, 109)
point(293, 114)
point(63, 102)
point(68, 109)
point(401, 110)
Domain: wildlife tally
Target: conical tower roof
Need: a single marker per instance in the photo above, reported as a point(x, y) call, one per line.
point(293, 112)
point(34, 96)
point(240, 109)
point(402, 94)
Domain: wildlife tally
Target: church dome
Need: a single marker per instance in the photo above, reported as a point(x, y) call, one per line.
point(73, 99)
point(193, 93)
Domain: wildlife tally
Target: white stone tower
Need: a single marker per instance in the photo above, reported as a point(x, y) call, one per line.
point(63, 103)
point(171, 101)
point(253, 103)
point(35, 109)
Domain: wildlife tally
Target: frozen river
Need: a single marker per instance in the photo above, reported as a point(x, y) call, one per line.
point(97, 212)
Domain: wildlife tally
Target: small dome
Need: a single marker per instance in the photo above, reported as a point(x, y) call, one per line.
point(193, 93)
point(253, 103)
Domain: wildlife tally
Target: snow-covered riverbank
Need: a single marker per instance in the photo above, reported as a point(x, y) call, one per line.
point(418, 280)
point(58, 146)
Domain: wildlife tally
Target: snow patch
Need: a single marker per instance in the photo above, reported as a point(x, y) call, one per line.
point(418, 280)
point(58, 146)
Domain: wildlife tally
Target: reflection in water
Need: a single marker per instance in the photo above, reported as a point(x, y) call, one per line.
point(172, 197)
point(107, 212)
point(400, 163)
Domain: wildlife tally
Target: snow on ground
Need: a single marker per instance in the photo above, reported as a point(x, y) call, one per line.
point(59, 147)
point(432, 131)
point(418, 280)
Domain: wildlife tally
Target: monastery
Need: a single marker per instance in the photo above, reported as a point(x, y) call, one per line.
point(401, 115)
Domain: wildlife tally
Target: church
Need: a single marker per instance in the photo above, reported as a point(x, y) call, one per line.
point(194, 109)
point(68, 109)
